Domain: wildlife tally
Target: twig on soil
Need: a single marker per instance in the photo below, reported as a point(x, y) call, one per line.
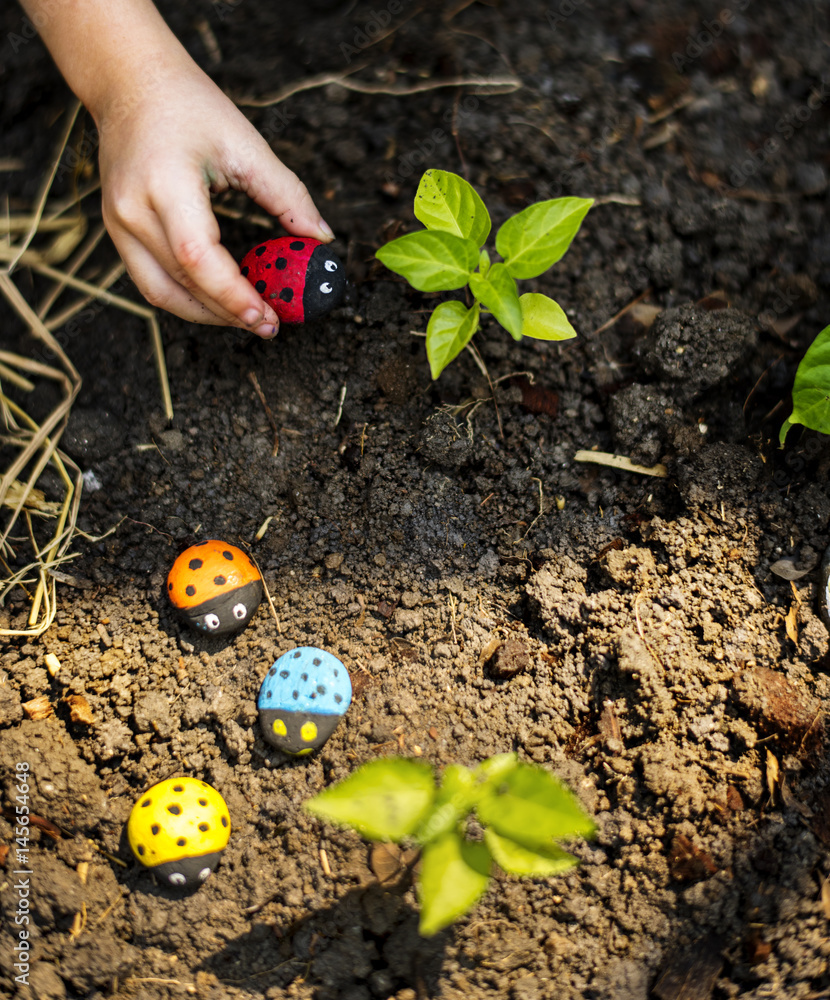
point(265, 221)
point(258, 390)
point(265, 589)
point(646, 643)
point(340, 403)
point(621, 462)
point(483, 369)
point(534, 479)
point(609, 323)
point(503, 84)
point(324, 862)
point(454, 129)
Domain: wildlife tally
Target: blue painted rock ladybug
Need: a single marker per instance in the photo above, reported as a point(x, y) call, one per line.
point(300, 278)
point(216, 587)
point(303, 697)
point(178, 829)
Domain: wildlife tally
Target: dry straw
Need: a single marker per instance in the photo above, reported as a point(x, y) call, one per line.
point(36, 532)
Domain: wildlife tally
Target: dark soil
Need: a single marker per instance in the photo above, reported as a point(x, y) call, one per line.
point(652, 658)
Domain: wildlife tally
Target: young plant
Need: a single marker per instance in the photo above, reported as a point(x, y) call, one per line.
point(811, 389)
point(523, 808)
point(448, 255)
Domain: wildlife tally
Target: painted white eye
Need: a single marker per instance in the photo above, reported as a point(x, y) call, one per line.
point(325, 288)
point(239, 611)
point(330, 265)
point(177, 879)
point(203, 874)
point(212, 622)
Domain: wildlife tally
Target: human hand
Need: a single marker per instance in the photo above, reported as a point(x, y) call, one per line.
point(165, 146)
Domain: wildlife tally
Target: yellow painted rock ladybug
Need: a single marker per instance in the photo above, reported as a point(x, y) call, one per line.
point(216, 587)
point(179, 828)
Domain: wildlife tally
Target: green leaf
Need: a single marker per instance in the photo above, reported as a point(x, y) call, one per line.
point(383, 800)
point(498, 293)
point(538, 236)
point(431, 261)
point(811, 389)
point(450, 329)
point(495, 768)
point(532, 807)
point(517, 860)
point(544, 319)
point(447, 202)
point(453, 802)
point(454, 875)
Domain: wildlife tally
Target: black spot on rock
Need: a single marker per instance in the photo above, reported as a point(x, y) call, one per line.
point(296, 245)
point(220, 581)
point(260, 286)
point(280, 263)
point(228, 555)
point(287, 294)
point(195, 564)
point(245, 271)
point(261, 250)
point(190, 590)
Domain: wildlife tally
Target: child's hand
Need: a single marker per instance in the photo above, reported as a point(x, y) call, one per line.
point(163, 150)
point(168, 138)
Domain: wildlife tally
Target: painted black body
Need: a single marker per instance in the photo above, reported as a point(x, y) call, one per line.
point(317, 303)
point(292, 742)
point(223, 606)
point(187, 868)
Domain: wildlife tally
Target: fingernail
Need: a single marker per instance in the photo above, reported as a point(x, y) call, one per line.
point(266, 330)
point(251, 316)
point(326, 229)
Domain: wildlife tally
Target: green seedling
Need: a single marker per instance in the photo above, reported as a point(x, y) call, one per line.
point(522, 807)
point(811, 389)
point(449, 255)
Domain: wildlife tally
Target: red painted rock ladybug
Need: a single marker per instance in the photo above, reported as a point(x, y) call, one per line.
point(300, 278)
point(215, 586)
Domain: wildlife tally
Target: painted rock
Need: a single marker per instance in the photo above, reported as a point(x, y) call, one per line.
point(303, 697)
point(178, 829)
point(301, 279)
point(216, 587)
point(824, 590)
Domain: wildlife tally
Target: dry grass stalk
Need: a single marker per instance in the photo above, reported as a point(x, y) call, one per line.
point(37, 529)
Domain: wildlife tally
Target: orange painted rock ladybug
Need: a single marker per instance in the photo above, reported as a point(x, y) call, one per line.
point(301, 279)
point(216, 587)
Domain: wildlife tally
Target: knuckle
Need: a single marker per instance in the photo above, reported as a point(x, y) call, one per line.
point(190, 254)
